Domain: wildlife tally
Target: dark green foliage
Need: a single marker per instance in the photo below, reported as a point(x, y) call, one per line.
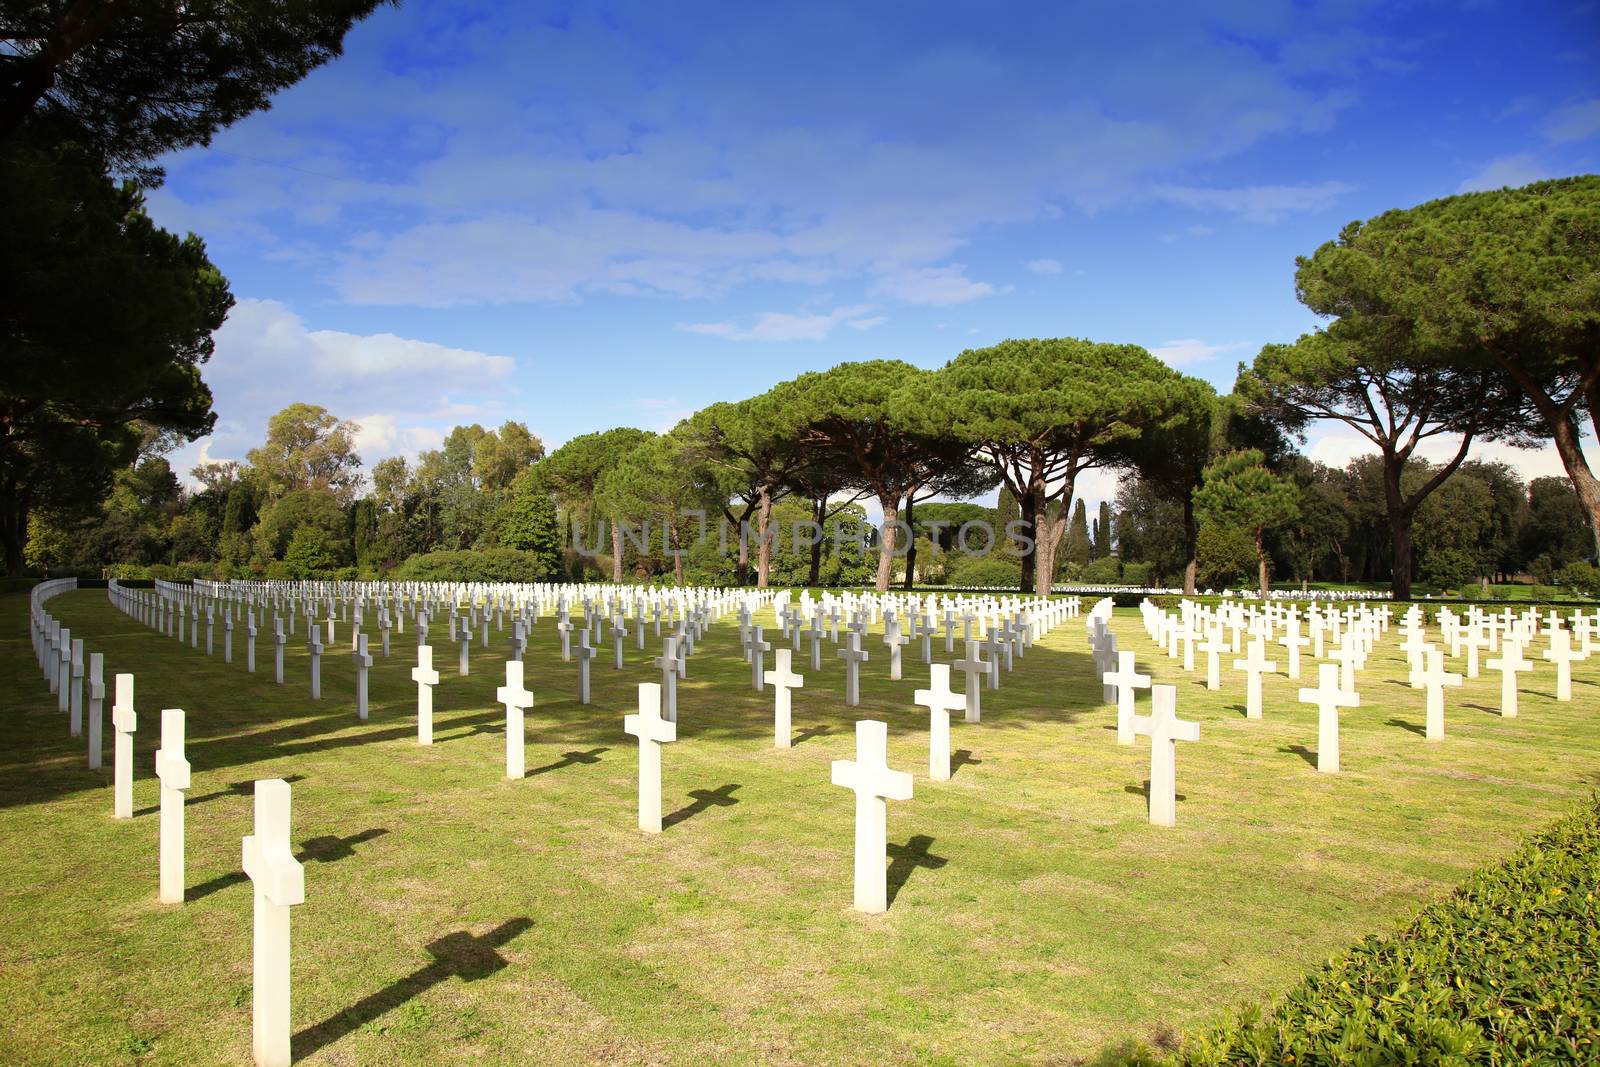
point(136, 78)
point(527, 522)
point(983, 572)
point(1507, 970)
point(483, 565)
point(105, 320)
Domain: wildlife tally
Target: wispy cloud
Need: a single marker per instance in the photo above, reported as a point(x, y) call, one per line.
point(1514, 170)
point(784, 326)
point(1188, 351)
point(1574, 122)
point(1257, 203)
point(1045, 266)
point(935, 286)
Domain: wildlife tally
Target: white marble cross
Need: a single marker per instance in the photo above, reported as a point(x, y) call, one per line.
point(97, 703)
point(279, 882)
point(940, 702)
point(517, 700)
point(1213, 647)
point(1329, 696)
point(173, 770)
point(1508, 663)
point(1434, 679)
point(973, 666)
point(1165, 730)
point(1255, 664)
point(426, 678)
point(586, 652)
point(278, 639)
point(363, 665)
point(652, 731)
point(464, 636)
point(75, 667)
point(1126, 680)
point(874, 784)
point(755, 650)
point(782, 679)
point(64, 670)
point(124, 722)
point(1563, 656)
point(316, 663)
point(1294, 642)
point(895, 640)
point(667, 664)
point(854, 656)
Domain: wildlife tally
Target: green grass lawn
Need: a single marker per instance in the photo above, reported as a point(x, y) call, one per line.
point(453, 915)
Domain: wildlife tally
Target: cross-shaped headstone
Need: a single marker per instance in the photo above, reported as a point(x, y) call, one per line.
point(1294, 642)
point(755, 651)
point(173, 770)
point(316, 663)
point(75, 675)
point(652, 731)
point(279, 882)
point(940, 702)
point(1329, 696)
point(517, 700)
point(1434, 679)
point(854, 656)
point(464, 639)
point(895, 640)
point(426, 678)
point(973, 666)
point(1127, 681)
point(667, 664)
point(363, 665)
point(1165, 730)
point(585, 653)
point(1213, 647)
point(782, 679)
point(1561, 653)
point(1509, 663)
point(124, 722)
point(97, 703)
point(1254, 665)
point(874, 785)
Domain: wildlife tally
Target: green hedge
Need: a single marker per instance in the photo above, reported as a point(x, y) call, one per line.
point(1506, 970)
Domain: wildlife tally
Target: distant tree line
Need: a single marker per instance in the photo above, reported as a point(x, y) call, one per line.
point(1469, 319)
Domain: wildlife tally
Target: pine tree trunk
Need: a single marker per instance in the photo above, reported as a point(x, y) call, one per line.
point(886, 543)
point(911, 547)
point(764, 549)
point(819, 512)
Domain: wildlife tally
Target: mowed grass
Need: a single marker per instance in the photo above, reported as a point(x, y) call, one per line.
point(452, 915)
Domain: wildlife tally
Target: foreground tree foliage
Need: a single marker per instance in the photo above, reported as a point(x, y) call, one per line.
point(105, 320)
point(132, 79)
point(1505, 281)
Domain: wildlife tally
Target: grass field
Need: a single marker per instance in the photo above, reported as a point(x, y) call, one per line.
point(452, 915)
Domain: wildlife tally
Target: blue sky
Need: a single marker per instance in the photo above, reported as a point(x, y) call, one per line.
point(586, 216)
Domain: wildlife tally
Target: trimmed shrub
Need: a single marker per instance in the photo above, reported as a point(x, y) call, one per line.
point(1506, 970)
point(480, 565)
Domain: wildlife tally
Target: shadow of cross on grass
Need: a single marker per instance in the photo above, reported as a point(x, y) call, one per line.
point(569, 759)
point(903, 859)
point(236, 789)
point(460, 954)
point(324, 849)
point(722, 797)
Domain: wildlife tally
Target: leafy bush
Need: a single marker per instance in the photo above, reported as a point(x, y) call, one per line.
point(1506, 970)
point(1137, 573)
point(482, 565)
point(1451, 567)
point(968, 572)
point(1581, 578)
point(1103, 571)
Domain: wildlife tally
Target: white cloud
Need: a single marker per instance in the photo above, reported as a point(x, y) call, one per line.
point(1045, 266)
point(401, 392)
point(1257, 203)
point(783, 326)
point(935, 285)
point(1519, 169)
point(1190, 350)
point(867, 323)
point(1574, 122)
point(482, 181)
